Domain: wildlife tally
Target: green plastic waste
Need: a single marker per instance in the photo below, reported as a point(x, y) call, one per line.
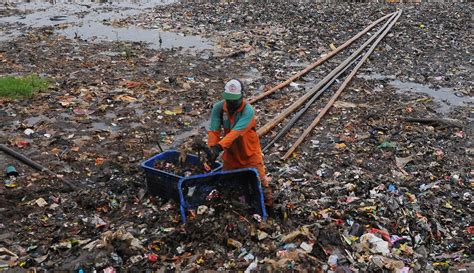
point(387, 144)
point(11, 170)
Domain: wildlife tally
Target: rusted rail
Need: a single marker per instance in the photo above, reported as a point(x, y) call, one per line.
point(342, 87)
point(301, 112)
point(319, 61)
point(272, 123)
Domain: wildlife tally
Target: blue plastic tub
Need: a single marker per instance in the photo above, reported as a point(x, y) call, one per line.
point(165, 184)
point(241, 184)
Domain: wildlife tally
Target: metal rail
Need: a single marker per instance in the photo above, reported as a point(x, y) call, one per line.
point(272, 123)
point(301, 112)
point(321, 114)
point(319, 61)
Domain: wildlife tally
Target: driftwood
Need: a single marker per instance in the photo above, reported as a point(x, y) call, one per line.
point(35, 165)
point(445, 122)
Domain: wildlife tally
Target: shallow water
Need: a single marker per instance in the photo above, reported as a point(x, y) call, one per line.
point(91, 21)
point(169, 40)
point(92, 2)
point(32, 121)
point(445, 97)
point(183, 136)
point(99, 126)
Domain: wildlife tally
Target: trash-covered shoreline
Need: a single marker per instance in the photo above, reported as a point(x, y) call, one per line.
point(383, 183)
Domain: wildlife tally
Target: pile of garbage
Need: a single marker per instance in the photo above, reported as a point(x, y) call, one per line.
point(384, 183)
point(185, 169)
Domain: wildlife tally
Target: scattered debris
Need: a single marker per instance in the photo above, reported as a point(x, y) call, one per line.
point(384, 182)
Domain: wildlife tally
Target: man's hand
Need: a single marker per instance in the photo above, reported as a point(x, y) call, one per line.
point(215, 151)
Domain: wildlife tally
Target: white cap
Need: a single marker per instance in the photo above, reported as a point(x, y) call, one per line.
point(233, 90)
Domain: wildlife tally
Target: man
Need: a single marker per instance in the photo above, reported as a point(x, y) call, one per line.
point(240, 143)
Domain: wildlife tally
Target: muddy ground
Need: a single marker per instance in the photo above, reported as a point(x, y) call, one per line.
point(125, 78)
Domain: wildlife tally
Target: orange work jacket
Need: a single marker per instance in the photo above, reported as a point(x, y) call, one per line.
point(236, 134)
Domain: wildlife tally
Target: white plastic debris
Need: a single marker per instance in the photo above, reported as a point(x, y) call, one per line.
point(306, 247)
point(53, 206)
point(29, 132)
point(180, 250)
point(41, 202)
point(249, 257)
point(252, 266)
point(374, 244)
point(261, 235)
point(201, 209)
point(135, 259)
point(295, 85)
point(332, 261)
point(97, 221)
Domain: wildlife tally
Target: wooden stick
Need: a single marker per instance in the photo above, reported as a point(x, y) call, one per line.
point(35, 165)
point(272, 123)
point(341, 88)
point(318, 62)
point(436, 121)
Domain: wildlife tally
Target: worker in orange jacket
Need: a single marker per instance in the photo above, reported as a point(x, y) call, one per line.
point(240, 142)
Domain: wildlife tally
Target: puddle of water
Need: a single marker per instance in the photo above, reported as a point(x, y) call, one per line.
point(42, 16)
point(297, 64)
point(251, 75)
point(110, 115)
point(69, 14)
point(32, 121)
point(376, 76)
point(29, 3)
point(178, 139)
point(102, 126)
point(134, 125)
point(169, 40)
point(86, 23)
point(139, 112)
point(445, 97)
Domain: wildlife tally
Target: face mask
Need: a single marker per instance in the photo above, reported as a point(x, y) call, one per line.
point(233, 105)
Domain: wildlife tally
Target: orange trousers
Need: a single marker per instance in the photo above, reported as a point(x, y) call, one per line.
point(263, 180)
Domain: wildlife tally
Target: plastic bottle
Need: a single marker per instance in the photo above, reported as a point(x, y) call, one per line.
point(332, 262)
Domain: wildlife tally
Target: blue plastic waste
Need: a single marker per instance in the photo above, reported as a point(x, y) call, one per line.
point(392, 188)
